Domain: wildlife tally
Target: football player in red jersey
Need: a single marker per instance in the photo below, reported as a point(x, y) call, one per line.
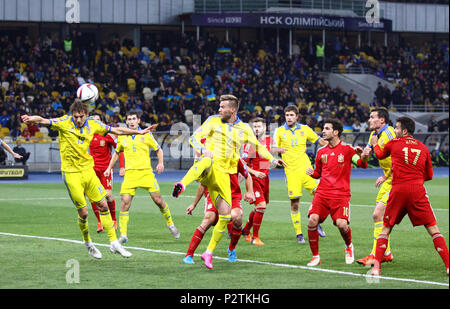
point(411, 167)
point(333, 166)
point(258, 168)
point(100, 150)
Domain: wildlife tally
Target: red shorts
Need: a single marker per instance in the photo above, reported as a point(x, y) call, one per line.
point(105, 181)
point(261, 190)
point(209, 205)
point(411, 200)
point(338, 208)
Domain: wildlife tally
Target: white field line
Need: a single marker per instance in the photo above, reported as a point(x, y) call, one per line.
point(188, 196)
point(369, 278)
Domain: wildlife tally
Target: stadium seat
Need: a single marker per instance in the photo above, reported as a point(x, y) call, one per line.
point(5, 85)
point(258, 108)
point(4, 132)
point(44, 131)
point(55, 94)
point(131, 84)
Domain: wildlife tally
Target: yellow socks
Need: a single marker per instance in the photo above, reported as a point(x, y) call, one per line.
point(166, 213)
point(124, 218)
point(218, 232)
point(108, 225)
point(378, 226)
point(296, 221)
point(83, 225)
point(196, 170)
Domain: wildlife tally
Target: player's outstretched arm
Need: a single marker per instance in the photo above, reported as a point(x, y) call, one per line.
point(35, 119)
point(8, 149)
point(128, 131)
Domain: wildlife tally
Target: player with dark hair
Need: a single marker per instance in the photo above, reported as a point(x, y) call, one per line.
point(332, 197)
point(379, 124)
point(290, 140)
point(411, 166)
point(258, 167)
point(139, 174)
point(75, 134)
point(100, 149)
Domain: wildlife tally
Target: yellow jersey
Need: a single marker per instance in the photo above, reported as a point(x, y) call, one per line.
point(385, 134)
point(136, 150)
point(225, 141)
point(294, 141)
point(74, 142)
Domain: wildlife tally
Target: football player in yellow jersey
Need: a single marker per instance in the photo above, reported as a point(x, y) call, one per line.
point(225, 135)
point(290, 140)
point(139, 174)
point(379, 124)
point(75, 134)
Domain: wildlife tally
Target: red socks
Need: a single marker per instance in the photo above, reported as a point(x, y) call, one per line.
point(382, 242)
point(112, 209)
point(313, 238)
point(235, 235)
point(441, 247)
point(347, 236)
point(95, 209)
point(249, 223)
point(257, 219)
point(195, 241)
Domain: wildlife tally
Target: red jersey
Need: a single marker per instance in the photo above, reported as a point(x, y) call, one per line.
point(254, 160)
point(411, 160)
point(333, 167)
point(100, 150)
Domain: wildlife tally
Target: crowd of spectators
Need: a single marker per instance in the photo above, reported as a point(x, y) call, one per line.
point(420, 72)
point(165, 81)
point(169, 82)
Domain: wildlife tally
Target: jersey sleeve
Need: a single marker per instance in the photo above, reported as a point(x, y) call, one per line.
point(311, 135)
point(152, 142)
point(100, 127)
point(242, 169)
point(58, 123)
point(111, 140)
point(318, 166)
point(370, 137)
point(276, 138)
point(383, 153)
point(259, 148)
point(199, 134)
point(119, 147)
point(428, 167)
point(248, 153)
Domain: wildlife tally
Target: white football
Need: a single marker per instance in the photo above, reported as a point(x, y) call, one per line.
point(87, 93)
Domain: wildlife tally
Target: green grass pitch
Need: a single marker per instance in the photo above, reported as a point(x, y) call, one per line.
point(44, 210)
